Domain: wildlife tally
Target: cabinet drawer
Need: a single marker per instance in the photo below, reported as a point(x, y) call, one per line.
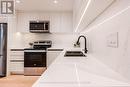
point(17, 66)
point(15, 53)
point(16, 57)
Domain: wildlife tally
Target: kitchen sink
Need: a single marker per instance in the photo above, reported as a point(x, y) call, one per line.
point(74, 54)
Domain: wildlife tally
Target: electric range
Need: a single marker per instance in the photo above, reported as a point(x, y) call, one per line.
point(35, 58)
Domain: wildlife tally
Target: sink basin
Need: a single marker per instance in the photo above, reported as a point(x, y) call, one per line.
point(74, 54)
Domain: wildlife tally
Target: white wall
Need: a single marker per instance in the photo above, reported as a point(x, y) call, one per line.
point(114, 19)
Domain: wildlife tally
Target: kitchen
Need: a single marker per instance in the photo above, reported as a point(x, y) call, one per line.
point(104, 26)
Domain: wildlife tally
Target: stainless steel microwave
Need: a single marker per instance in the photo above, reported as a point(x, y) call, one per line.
point(39, 26)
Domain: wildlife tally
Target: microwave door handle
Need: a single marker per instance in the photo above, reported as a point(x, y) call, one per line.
point(44, 26)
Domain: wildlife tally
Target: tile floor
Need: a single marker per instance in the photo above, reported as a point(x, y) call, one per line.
point(18, 81)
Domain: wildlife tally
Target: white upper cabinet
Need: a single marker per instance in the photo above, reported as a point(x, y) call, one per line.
point(43, 16)
point(22, 22)
point(86, 11)
point(55, 22)
point(66, 23)
point(60, 22)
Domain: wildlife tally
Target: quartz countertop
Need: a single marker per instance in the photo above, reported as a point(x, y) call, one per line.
point(79, 72)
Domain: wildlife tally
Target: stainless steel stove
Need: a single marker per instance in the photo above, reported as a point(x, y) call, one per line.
point(35, 58)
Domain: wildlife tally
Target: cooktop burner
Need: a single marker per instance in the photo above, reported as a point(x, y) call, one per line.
point(41, 45)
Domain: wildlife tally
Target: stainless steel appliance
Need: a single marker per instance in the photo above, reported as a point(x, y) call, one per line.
point(3, 48)
point(39, 26)
point(35, 58)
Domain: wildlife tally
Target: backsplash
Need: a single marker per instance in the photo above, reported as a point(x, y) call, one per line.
point(114, 56)
point(22, 40)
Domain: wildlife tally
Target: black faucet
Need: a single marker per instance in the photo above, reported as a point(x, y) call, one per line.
point(85, 50)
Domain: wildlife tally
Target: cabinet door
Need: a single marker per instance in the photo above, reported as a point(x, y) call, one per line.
point(44, 16)
point(66, 23)
point(61, 23)
point(51, 56)
point(17, 62)
point(17, 67)
point(23, 21)
point(55, 23)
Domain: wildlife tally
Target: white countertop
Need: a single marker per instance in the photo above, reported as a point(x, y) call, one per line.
point(79, 72)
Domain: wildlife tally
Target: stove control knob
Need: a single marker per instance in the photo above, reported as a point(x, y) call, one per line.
point(34, 64)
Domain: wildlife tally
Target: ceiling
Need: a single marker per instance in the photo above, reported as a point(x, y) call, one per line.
point(45, 5)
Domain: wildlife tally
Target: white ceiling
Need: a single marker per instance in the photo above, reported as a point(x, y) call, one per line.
point(45, 5)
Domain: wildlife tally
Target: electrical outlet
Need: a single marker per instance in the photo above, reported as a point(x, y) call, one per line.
point(112, 40)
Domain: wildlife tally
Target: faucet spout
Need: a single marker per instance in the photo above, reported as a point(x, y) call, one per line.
point(85, 49)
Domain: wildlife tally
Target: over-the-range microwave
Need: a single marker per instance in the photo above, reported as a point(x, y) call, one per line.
point(39, 26)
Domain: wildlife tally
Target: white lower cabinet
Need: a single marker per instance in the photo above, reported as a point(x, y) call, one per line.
point(52, 55)
point(17, 62)
point(17, 67)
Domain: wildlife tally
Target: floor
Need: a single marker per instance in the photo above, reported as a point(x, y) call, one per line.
point(18, 81)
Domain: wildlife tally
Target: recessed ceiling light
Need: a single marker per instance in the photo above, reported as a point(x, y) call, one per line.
point(55, 1)
point(18, 1)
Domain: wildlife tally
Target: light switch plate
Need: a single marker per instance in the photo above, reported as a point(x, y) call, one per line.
point(112, 40)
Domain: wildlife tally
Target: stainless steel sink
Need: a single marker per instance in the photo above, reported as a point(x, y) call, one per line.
point(74, 54)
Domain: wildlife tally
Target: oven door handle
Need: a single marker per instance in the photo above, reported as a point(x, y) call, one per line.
point(36, 51)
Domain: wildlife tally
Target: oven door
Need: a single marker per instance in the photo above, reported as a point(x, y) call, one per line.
point(34, 58)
